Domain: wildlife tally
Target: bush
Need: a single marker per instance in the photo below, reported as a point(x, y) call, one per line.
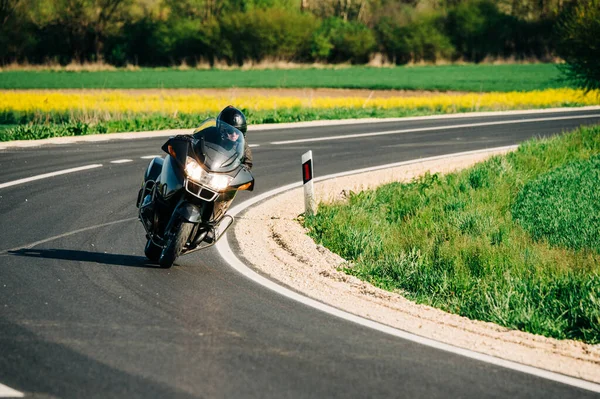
point(348, 41)
point(193, 41)
point(579, 44)
point(143, 42)
point(478, 29)
point(422, 39)
point(263, 34)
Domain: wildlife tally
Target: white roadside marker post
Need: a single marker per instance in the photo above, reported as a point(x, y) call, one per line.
point(310, 203)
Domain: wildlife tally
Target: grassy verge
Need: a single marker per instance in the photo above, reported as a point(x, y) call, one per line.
point(6, 127)
point(513, 240)
point(474, 78)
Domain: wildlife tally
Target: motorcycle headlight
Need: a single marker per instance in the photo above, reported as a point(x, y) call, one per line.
point(218, 182)
point(193, 170)
point(213, 181)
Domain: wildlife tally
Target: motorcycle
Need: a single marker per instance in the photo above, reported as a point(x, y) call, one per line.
point(184, 196)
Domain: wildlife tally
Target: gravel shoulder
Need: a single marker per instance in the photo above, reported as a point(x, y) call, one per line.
point(273, 242)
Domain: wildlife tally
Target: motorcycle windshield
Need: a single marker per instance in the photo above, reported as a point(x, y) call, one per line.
point(219, 146)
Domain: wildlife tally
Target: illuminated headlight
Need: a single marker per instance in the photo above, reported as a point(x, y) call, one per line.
point(193, 170)
point(218, 182)
point(211, 180)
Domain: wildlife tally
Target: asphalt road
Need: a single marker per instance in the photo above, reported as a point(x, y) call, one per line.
point(83, 315)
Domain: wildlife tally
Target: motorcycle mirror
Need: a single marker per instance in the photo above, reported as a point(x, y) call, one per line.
point(177, 147)
point(172, 151)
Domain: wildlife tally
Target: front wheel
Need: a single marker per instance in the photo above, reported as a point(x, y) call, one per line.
point(178, 238)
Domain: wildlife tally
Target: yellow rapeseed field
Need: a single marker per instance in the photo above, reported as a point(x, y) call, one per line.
point(129, 102)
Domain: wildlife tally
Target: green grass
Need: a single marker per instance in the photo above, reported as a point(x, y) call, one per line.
point(453, 241)
point(477, 78)
point(6, 127)
point(563, 206)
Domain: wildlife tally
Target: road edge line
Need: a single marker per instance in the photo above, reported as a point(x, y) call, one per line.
point(8, 392)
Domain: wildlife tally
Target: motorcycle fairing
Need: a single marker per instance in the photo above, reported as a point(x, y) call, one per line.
point(215, 148)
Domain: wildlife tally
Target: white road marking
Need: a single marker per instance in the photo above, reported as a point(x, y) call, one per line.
point(228, 255)
point(46, 175)
point(253, 145)
point(149, 156)
point(121, 161)
point(429, 129)
point(7, 392)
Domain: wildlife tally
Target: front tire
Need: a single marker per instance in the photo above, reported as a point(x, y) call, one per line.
point(178, 238)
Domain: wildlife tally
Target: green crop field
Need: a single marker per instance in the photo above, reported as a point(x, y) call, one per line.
point(473, 78)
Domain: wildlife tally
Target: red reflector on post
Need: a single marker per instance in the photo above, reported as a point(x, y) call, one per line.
point(310, 204)
point(307, 171)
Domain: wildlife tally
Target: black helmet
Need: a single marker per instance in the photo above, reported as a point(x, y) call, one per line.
point(234, 117)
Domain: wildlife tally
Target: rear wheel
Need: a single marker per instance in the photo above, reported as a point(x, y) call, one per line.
point(152, 251)
point(177, 240)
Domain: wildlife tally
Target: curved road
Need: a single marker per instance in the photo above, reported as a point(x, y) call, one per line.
point(83, 315)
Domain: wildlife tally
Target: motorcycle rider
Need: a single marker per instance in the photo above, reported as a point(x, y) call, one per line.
point(236, 118)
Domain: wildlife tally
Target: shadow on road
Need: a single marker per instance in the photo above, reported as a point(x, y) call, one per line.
point(85, 256)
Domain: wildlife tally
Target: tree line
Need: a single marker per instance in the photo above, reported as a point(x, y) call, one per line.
point(170, 32)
